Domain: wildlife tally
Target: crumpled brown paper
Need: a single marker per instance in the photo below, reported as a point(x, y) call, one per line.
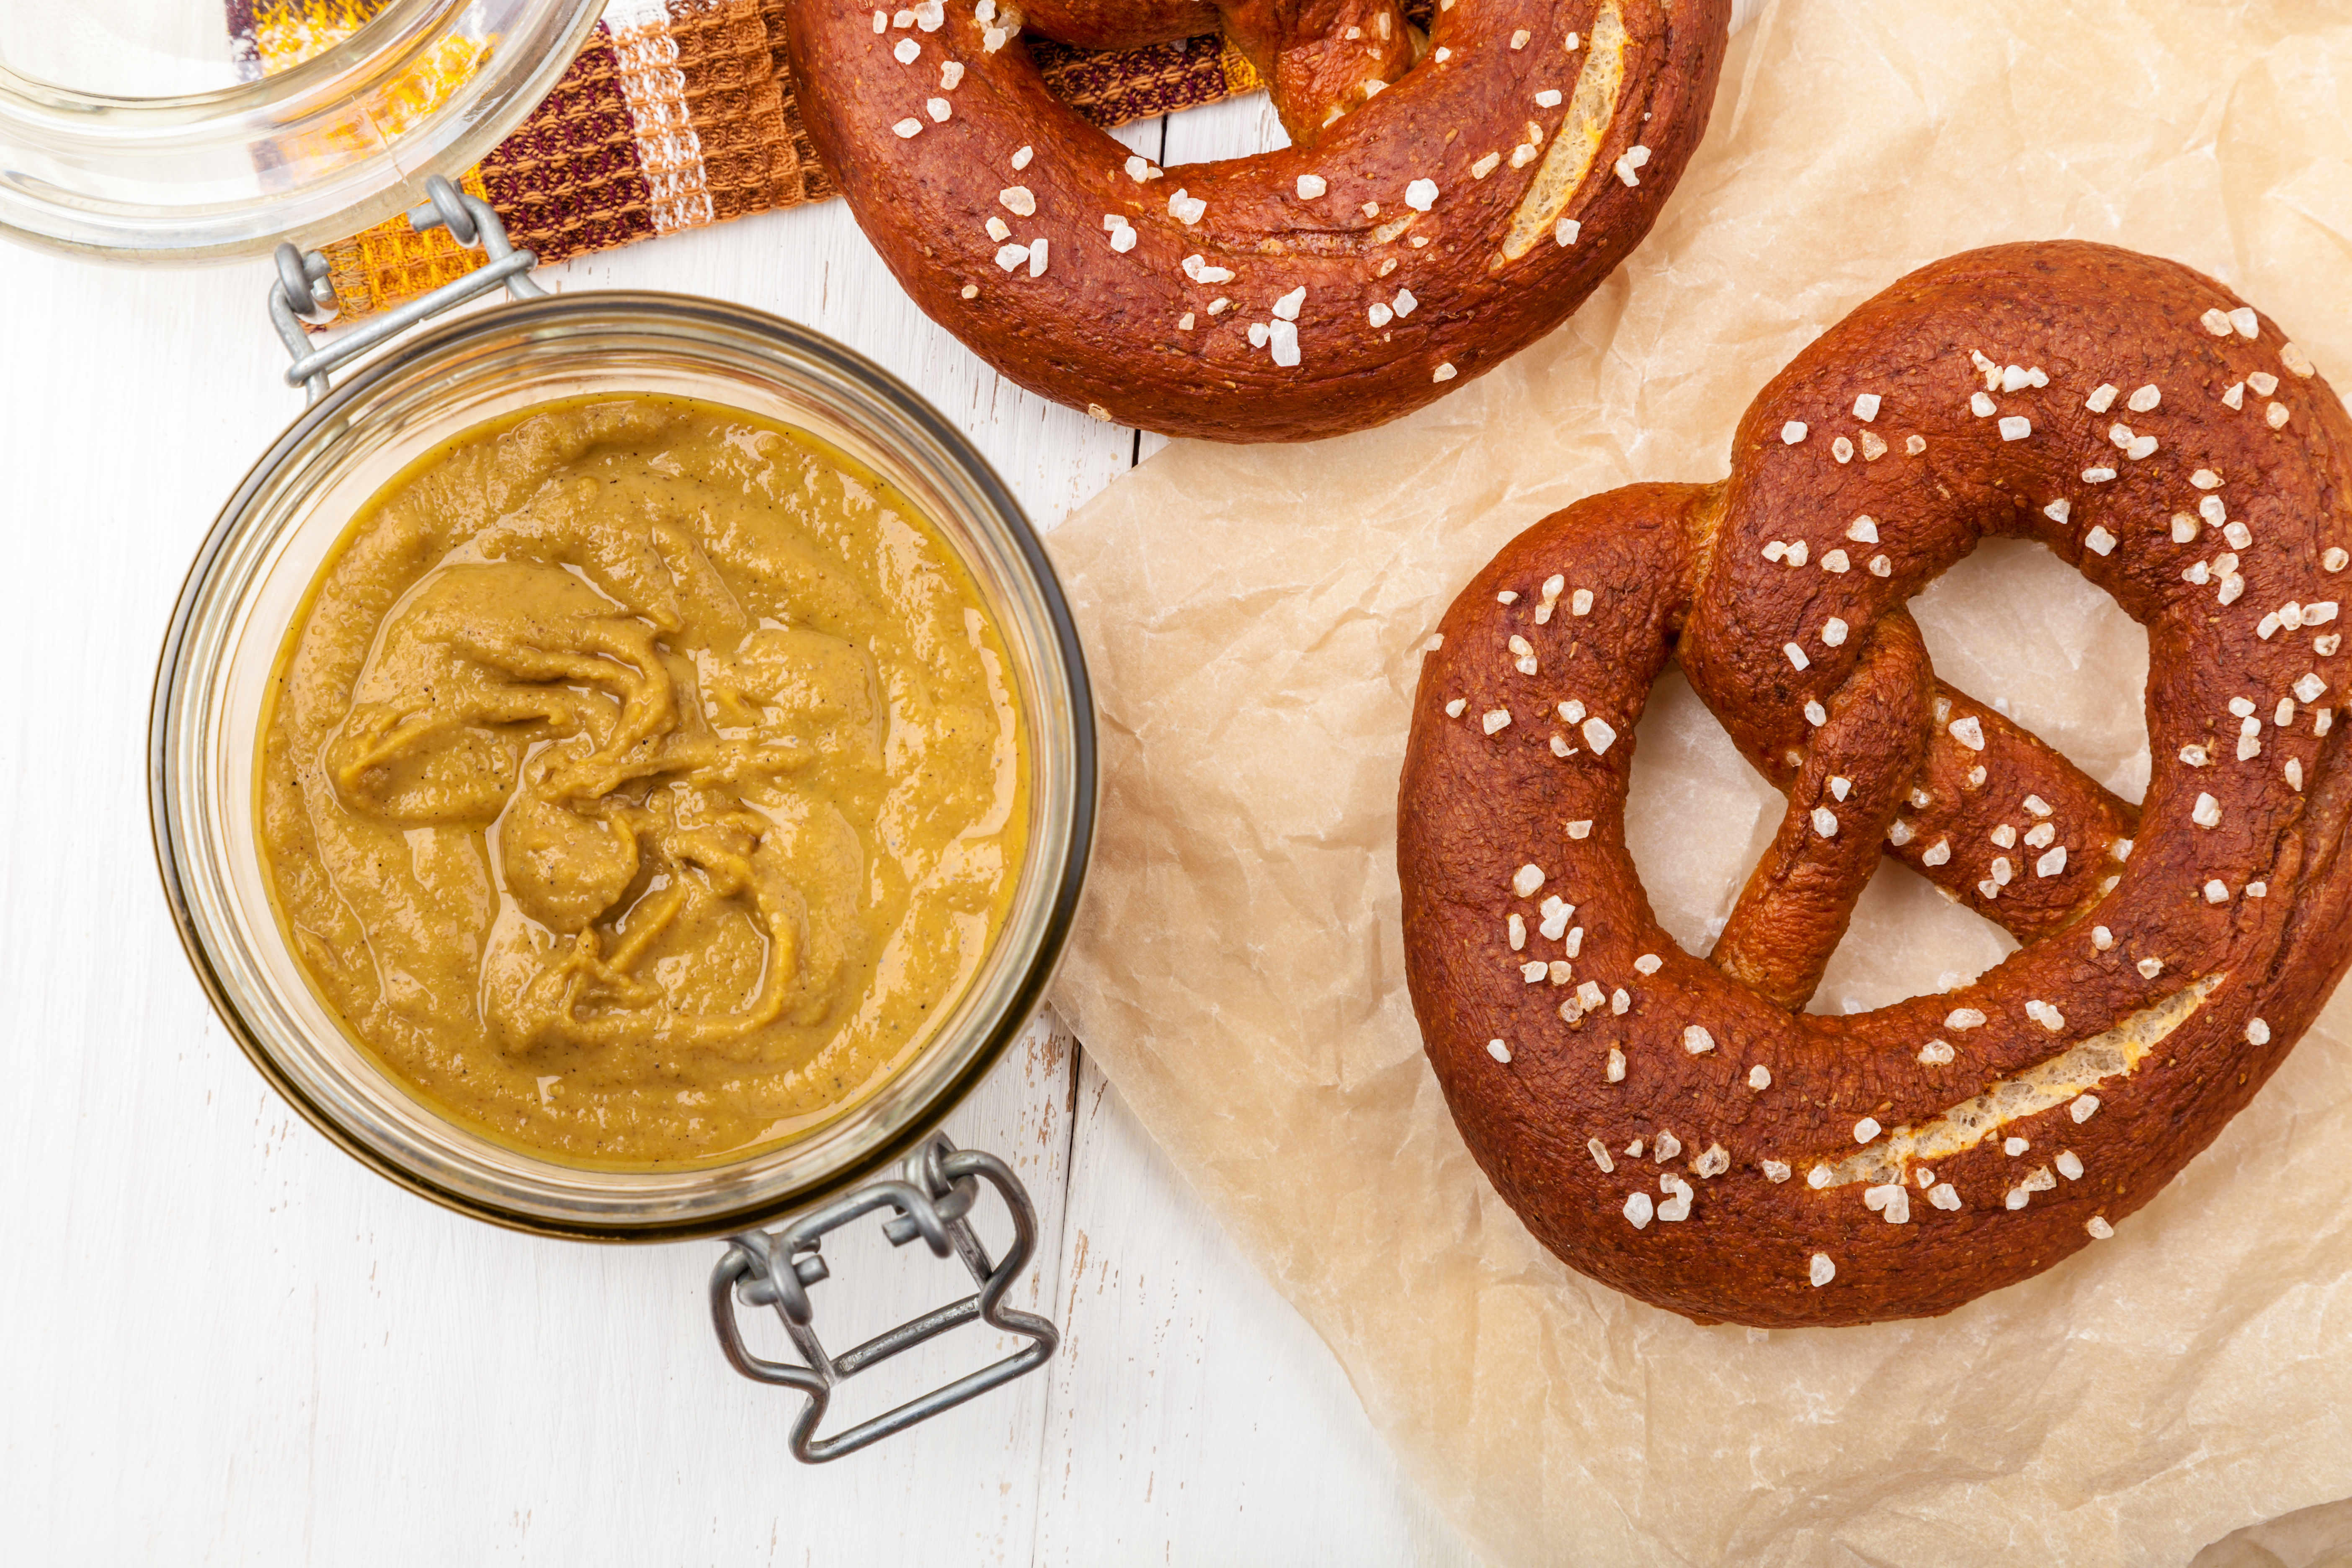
point(1256, 617)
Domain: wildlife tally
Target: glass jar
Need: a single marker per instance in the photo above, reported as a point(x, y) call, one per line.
point(249, 580)
point(246, 589)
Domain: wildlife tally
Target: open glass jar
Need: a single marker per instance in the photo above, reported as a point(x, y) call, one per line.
point(245, 588)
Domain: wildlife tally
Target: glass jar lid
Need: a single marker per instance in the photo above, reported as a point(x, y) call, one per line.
point(193, 128)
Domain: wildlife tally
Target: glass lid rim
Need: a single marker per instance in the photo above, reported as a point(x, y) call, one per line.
point(137, 180)
point(1060, 903)
point(372, 50)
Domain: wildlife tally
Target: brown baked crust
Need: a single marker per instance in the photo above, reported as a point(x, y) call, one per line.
point(1680, 570)
point(1129, 334)
point(1321, 60)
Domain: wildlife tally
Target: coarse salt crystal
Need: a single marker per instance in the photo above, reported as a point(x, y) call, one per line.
point(1282, 344)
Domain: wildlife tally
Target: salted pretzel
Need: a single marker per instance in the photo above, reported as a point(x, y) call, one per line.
point(1446, 200)
point(1677, 1127)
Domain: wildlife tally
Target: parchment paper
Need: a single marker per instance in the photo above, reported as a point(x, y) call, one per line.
point(1256, 617)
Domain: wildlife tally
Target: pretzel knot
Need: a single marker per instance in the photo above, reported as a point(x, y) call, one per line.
point(1447, 197)
point(2147, 427)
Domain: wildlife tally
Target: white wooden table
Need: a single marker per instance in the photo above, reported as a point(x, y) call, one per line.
point(223, 1341)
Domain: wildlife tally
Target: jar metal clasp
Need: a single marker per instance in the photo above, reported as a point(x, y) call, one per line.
point(304, 294)
point(933, 1201)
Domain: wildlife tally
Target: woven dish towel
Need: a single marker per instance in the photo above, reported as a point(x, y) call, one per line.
point(674, 114)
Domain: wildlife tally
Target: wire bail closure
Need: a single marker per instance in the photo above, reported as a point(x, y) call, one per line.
point(933, 1201)
point(303, 276)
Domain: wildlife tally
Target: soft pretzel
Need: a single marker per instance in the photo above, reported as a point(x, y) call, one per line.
point(1674, 1127)
point(1431, 219)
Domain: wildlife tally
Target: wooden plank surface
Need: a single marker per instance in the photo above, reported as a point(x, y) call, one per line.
point(222, 1340)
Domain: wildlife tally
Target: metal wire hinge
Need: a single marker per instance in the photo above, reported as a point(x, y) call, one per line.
point(934, 1201)
point(302, 276)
